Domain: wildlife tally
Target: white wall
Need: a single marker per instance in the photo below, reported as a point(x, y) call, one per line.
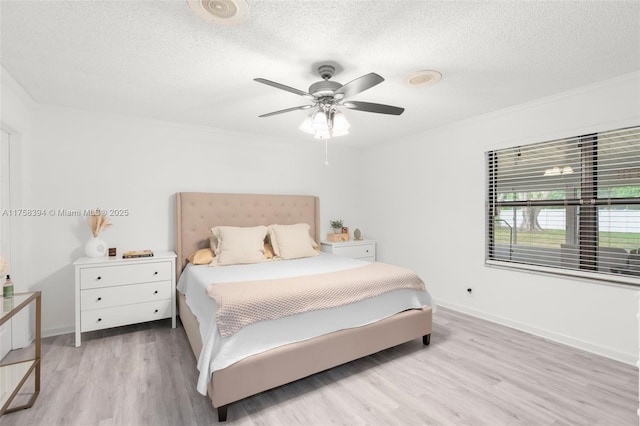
point(83, 160)
point(425, 206)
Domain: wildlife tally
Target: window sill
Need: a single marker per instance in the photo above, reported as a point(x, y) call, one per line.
point(599, 278)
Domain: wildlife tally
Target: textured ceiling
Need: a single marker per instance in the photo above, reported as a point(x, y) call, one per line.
point(157, 59)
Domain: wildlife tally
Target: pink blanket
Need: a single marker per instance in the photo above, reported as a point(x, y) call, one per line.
point(248, 302)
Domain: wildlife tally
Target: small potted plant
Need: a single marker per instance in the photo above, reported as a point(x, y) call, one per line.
point(336, 225)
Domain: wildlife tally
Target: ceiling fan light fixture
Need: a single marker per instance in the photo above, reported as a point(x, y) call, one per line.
point(222, 12)
point(339, 132)
point(424, 78)
point(320, 121)
point(340, 122)
point(306, 125)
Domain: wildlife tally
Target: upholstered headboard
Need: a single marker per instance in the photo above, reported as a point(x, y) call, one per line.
point(198, 212)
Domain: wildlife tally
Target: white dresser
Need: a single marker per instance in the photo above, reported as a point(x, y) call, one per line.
point(111, 291)
point(356, 249)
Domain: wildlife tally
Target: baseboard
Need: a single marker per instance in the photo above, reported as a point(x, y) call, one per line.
point(540, 332)
point(50, 332)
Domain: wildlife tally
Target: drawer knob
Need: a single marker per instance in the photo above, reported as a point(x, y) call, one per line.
point(155, 273)
point(99, 299)
point(155, 292)
point(367, 251)
point(99, 278)
point(99, 319)
point(155, 312)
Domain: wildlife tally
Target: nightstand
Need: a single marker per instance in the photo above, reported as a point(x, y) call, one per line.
point(111, 291)
point(356, 249)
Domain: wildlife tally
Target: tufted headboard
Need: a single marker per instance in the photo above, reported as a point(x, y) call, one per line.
point(198, 212)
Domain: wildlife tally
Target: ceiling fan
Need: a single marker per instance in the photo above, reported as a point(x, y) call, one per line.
point(326, 96)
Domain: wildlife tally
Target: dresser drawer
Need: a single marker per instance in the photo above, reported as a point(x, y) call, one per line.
point(356, 251)
point(97, 319)
point(106, 297)
point(106, 276)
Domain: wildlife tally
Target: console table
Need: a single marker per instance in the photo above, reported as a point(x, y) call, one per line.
point(14, 375)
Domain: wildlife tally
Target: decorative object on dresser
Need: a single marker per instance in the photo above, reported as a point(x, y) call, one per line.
point(338, 237)
point(357, 235)
point(14, 375)
point(361, 249)
point(112, 292)
point(336, 225)
point(340, 233)
point(98, 222)
point(137, 253)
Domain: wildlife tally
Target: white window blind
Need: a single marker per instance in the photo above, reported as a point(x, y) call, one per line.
point(569, 206)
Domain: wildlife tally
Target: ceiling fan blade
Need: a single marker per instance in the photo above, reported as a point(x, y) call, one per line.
point(269, 114)
point(371, 107)
point(360, 84)
point(283, 87)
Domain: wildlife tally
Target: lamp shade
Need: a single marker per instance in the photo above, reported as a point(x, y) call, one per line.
point(306, 125)
point(320, 121)
point(339, 132)
point(340, 122)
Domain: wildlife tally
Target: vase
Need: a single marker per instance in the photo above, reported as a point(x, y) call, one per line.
point(337, 230)
point(95, 247)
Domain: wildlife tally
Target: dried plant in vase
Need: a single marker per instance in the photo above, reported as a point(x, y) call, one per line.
point(98, 222)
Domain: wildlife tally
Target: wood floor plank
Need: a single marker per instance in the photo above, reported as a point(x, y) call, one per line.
point(473, 373)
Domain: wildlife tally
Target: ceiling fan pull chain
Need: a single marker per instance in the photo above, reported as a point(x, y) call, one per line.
point(326, 152)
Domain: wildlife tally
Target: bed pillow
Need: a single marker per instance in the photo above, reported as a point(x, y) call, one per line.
point(292, 241)
point(239, 244)
point(213, 242)
point(201, 257)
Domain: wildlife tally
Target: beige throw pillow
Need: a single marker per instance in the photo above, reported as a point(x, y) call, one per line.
point(292, 241)
point(268, 251)
point(239, 244)
point(201, 257)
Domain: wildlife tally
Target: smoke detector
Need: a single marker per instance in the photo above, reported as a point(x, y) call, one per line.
point(424, 78)
point(223, 12)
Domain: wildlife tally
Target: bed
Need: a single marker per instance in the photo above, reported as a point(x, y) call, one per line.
point(240, 376)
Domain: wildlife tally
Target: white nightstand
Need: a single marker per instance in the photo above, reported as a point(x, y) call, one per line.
point(356, 249)
point(111, 291)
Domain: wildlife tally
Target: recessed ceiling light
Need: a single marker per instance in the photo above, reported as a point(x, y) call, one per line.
point(223, 12)
point(424, 78)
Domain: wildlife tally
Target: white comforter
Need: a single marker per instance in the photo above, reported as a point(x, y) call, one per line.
point(218, 353)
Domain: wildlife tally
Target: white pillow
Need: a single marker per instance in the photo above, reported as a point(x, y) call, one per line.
point(239, 244)
point(292, 241)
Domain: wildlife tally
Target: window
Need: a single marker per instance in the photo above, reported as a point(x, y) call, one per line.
point(569, 206)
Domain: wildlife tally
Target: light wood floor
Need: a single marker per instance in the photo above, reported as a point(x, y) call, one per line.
point(474, 373)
